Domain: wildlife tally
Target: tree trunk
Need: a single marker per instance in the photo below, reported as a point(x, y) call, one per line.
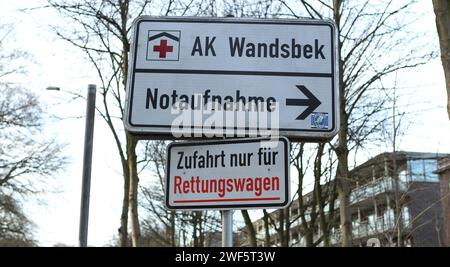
point(123, 230)
point(287, 228)
point(318, 193)
point(172, 229)
point(442, 11)
point(281, 228)
point(196, 230)
point(344, 212)
point(266, 229)
point(343, 186)
point(342, 178)
point(201, 233)
point(133, 197)
point(398, 206)
point(309, 240)
point(250, 229)
point(307, 232)
point(331, 210)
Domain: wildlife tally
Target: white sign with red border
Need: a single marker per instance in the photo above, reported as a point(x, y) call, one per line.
point(228, 174)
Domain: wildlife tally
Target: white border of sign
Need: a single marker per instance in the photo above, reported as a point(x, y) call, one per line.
point(164, 131)
point(287, 192)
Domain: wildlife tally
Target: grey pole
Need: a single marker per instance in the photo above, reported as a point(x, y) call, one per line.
point(227, 228)
point(87, 165)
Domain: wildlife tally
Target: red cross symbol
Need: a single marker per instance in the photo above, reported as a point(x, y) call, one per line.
point(162, 48)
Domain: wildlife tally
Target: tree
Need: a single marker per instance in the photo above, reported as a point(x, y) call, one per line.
point(309, 208)
point(168, 227)
point(359, 74)
point(312, 206)
point(27, 156)
point(442, 11)
point(367, 32)
point(102, 33)
point(373, 44)
point(15, 227)
point(250, 229)
point(101, 29)
point(160, 222)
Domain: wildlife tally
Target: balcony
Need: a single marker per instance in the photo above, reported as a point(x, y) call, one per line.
point(374, 188)
point(382, 225)
point(374, 227)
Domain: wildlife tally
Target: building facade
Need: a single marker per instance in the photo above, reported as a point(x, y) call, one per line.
point(444, 178)
point(402, 183)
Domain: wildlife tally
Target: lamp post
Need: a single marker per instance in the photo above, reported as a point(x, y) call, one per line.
point(87, 165)
point(87, 162)
point(53, 88)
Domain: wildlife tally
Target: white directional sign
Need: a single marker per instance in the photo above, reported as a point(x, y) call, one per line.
point(228, 174)
point(286, 68)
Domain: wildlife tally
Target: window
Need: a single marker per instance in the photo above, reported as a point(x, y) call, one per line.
point(402, 176)
point(307, 217)
point(430, 166)
point(389, 217)
point(416, 167)
point(405, 216)
point(422, 170)
point(371, 221)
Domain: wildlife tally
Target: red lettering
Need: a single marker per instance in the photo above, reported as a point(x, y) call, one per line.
point(267, 184)
point(229, 185)
point(197, 184)
point(221, 186)
point(177, 184)
point(239, 184)
point(192, 184)
point(258, 186)
point(249, 186)
point(275, 183)
point(186, 187)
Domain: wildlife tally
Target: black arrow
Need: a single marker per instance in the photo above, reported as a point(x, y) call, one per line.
point(311, 102)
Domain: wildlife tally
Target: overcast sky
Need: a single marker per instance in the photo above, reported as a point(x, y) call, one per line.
point(56, 63)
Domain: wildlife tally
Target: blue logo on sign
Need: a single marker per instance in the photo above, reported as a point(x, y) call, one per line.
point(319, 120)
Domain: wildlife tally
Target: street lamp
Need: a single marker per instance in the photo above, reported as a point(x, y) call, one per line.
point(87, 162)
point(53, 88)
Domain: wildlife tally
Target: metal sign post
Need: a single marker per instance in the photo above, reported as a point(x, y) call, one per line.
point(87, 165)
point(227, 228)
